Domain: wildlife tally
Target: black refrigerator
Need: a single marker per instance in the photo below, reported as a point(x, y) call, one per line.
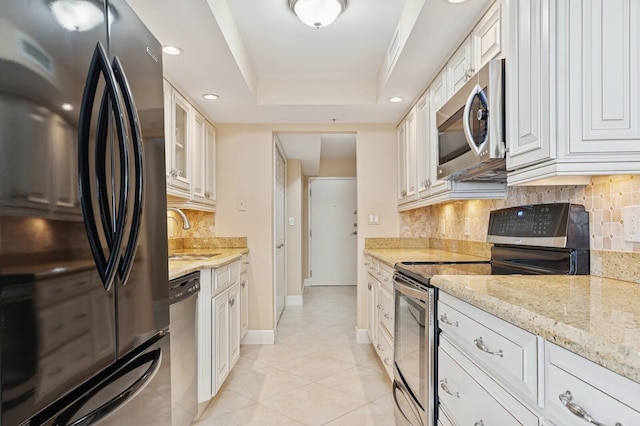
point(84, 310)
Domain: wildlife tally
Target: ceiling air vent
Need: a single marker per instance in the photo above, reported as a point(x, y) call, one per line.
point(393, 49)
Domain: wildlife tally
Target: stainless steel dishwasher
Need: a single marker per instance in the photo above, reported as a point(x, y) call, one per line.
point(183, 295)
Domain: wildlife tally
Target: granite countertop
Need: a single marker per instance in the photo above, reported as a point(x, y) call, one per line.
point(597, 318)
point(218, 257)
point(393, 256)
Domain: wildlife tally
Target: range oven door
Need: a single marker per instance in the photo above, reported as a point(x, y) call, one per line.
point(414, 352)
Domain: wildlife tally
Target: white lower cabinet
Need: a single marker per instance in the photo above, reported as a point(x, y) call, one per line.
point(220, 327)
point(472, 397)
point(578, 389)
point(380, 311)
point(513, 377)
point(244, 296)
point(226, 339)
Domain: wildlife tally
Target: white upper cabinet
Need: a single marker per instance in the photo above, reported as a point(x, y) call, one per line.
point(487, 37)
point(573, 90)
point(178, 115)
point(190, 146)
point(459, 67)
point(418, 183)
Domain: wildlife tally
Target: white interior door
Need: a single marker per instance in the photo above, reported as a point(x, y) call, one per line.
point(279, 234)
point(333, 231)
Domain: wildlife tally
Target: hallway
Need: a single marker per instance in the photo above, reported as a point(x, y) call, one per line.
point(314, 375)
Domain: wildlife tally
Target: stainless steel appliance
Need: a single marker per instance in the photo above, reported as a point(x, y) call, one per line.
point(83, 246)
point(535, 239)
point(183, 296)
point(471, 130)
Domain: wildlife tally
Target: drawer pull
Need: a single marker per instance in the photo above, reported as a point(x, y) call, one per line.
point(387, 362)
point(387, 316)
point(480, 345)
point(379, 347)
point(445, 387)
point(379, 306)
point(480, 423)
point(445, 320)
point(566, 400)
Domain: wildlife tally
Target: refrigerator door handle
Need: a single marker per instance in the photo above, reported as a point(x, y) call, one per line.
point(153, 357)
point(126, 262)
point(106, 265)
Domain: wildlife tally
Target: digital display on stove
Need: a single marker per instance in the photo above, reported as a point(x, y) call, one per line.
point(540, 220)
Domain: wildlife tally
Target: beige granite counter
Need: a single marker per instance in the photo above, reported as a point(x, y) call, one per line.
point(218, 257)
point(394, 255)
point(597, 318)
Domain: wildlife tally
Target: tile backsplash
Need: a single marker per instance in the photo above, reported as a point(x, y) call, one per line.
point(203, 225)
point(604, 198)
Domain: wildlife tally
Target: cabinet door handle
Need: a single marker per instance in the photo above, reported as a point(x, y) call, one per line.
point(567, 400)
point(445, 320)
point(479, 423)
point(379, 347)
point(232, 302)
point(387, 316)
point(387, 362)
point(380, 307)
point(445, 387)
point(480, 345)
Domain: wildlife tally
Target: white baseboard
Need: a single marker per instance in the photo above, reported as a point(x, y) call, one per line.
point(295, 300)
point(362, 338)
point(259, 337)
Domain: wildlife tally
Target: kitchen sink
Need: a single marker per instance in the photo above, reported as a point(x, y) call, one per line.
point(192, 256)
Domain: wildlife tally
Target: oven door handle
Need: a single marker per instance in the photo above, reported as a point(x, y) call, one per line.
point(411, 291)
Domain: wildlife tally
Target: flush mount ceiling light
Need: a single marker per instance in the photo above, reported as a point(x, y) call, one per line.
point(172, 50)
point(317, 13)
point(210, 96)
point(395, 99)
point(79, 15)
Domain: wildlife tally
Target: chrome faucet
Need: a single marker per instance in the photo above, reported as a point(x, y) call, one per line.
point(185, 221)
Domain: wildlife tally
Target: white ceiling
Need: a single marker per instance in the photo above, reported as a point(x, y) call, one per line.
point(268, 67)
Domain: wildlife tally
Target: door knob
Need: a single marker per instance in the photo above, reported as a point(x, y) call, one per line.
point(354, 233)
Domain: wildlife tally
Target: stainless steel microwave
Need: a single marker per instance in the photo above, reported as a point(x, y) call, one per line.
point(471, 143)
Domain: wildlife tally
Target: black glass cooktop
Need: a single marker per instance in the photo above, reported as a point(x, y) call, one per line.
point(424, 271)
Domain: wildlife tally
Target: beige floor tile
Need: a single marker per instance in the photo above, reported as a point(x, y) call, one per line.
point(371, 415)
point(314, 374)
point(252, 415)
point(314, 367)
point(272, 354)
point(314, 404)
point(360, 382)
point(265, 383)
point(225, 402)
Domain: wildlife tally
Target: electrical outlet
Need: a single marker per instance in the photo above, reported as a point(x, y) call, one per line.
point(631, 225)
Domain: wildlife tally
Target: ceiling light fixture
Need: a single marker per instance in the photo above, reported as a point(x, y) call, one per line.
point(395, 99)
point(456, 1)
point(172, 50)
point(79, 15)
point(67, 106)
point(210, 96)
point(317, 13)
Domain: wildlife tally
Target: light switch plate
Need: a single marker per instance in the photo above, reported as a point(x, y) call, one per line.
point(292, 221)
point(631, 223)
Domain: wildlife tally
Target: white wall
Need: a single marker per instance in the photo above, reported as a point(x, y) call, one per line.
point(245, 168)
point(377, 186)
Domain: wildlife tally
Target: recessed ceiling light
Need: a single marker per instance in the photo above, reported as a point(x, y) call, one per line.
point(172, 50)
point(456, 1)
point(67, 107)
point(210, 96)
point(395, 99)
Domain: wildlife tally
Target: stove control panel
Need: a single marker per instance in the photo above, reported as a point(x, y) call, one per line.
point(554, 225)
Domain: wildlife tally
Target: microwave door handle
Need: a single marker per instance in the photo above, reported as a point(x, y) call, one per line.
point(466, 117)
